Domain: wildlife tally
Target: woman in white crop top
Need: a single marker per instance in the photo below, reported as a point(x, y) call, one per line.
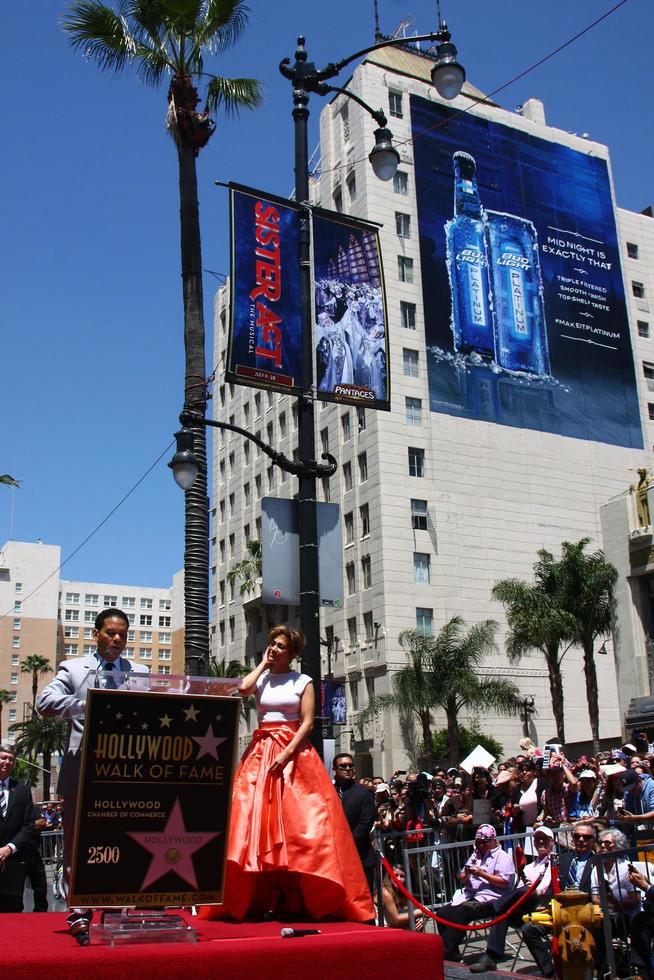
point(290, 850)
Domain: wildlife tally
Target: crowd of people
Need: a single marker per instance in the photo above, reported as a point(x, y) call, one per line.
point(575, 808)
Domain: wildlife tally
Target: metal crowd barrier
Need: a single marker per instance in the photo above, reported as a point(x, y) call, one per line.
point(51, 845)
point(432, 876)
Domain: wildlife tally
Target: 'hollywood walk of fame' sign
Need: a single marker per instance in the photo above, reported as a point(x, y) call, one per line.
point(154, 798)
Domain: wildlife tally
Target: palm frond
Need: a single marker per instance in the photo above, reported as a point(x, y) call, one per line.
point(101, 33)
point(222, 24)
point(233, 94)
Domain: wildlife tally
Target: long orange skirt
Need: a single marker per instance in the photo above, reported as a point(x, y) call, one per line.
point(291, 829)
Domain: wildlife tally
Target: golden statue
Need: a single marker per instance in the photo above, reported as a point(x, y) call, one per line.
point(642, 504)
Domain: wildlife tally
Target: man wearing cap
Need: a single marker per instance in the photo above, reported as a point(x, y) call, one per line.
point(637, 818)
point(539, 870)
point(486, 876)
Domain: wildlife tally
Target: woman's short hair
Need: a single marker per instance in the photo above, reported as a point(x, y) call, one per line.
point(621, 841)
point(294, 638)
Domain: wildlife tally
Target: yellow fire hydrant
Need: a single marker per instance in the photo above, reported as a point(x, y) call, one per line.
point(572, 920)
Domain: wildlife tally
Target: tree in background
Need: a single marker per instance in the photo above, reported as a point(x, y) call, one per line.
point(443, 672)
point(587, 582)
point(37, 666)
point(5, 698)
point(538, 621)
point(41, 736)
point(9, 481)
point(171, 39)
point(248, 570)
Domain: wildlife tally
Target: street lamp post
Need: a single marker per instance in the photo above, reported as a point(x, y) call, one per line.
point(448, 77)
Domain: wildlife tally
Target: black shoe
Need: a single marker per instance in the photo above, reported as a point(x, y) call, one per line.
point(484, 965)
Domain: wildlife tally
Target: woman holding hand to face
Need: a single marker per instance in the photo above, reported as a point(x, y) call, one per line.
point(290, 849)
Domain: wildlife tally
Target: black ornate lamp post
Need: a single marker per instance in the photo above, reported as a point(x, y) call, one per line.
point(448, 77)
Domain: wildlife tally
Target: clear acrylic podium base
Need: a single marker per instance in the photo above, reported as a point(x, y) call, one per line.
point(131, 927)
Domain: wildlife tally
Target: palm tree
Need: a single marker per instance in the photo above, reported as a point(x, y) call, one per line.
point(442, 671)
point(41, 736)
point(538, 621)
point(170, 38)
point(37, 666)
point(587, 581)
point(5, 698)
point(225, 668)
point(9, 481)
point(248, 570)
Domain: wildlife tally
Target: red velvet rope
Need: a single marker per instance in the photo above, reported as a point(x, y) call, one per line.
point(457, 925)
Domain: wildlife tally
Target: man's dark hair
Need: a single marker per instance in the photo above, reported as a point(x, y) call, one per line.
point(111, 613)
point(343, 755)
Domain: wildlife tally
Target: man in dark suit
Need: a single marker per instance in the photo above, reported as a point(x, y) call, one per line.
point(65, 697)
point(360, 811)
point(16, 828)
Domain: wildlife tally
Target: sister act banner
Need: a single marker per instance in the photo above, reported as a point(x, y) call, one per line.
point(350, 323)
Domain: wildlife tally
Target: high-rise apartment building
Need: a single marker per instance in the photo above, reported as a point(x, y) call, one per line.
point(43, 614)
point(508, 430)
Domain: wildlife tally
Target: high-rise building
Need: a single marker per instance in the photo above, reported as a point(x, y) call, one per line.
point(43, 614)
point(508, 430)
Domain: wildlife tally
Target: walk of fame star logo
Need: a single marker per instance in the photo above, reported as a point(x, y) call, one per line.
point(172, 848)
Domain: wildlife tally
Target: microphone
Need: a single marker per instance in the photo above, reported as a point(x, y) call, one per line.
point(290, 933)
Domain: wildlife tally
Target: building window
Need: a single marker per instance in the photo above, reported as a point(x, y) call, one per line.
point(352, 631)
point(232, 544)
point(165, 637)
point(89, 615)
point(15, 642)
point(401, 182)
point(363, 467)
point(347, 476)
point(71, 632)
point(164, 655)
point(349, 527)
point(421, 568)
point(18, 587)
point(350, 578)
point(91, 599)
point(395, 104)
point(643, 328)
point(368, 626)
point(72, 597)
point(145, 636)
point(15, 659)
point(337, 198)
point(246, 454)
point(294, 417)
point(413, 409)
point(89, 649)
point(164, 621)
point(232, 628)
point(425, 620)
point(257, 405)
point(408, 315)
point(110, 600)
point(416, 461)
point(145, 604)
point(351, 184)
point(131, 635)
point(650, 411)
point(410, 362)
point(71, 615)
point(638, 289)
point(419, 515)
point(345, 121)
point(70, 649)
point(270, 433)
point(257, 486)
point(145, 620)
point(632, 250)
point(17, 605)
point(282, 425)
point(648, 371)
point(364, 517)
point(324, 440)
point(345, 426)
point(361, 419)
point(326, 492)
point(230, 460)
point(17, 623)
point(163, 669)
point(402, 225)
point(145, 654)
point(131, 617)
point(405, 268)
point(231, 504)
point(270, 477)
point(366, 571)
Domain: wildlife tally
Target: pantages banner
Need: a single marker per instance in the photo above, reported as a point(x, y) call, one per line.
point(265, 336)
point(352, 355)
point(154, 799)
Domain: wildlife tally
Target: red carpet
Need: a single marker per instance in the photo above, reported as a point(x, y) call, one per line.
point(38, 945)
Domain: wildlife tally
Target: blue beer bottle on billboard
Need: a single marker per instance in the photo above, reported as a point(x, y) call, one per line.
point(472, 312)
point(521, 336)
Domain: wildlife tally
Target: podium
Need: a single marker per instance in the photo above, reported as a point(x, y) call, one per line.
point(158, 760)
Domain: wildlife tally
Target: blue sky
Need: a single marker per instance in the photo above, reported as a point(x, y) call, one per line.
point(92, 324)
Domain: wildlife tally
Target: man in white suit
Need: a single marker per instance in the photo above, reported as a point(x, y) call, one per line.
point(65, 697)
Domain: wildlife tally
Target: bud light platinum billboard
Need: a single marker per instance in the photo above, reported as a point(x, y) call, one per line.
point(525, 316)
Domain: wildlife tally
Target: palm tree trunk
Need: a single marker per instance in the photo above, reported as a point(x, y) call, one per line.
point(196, 539)
point(592, 695)
point(47, 763)
point(35, 684)
point(425, 721)
point(556, 691)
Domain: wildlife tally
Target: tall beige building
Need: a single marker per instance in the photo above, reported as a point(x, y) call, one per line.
point(43, 614)
point(436, 505)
